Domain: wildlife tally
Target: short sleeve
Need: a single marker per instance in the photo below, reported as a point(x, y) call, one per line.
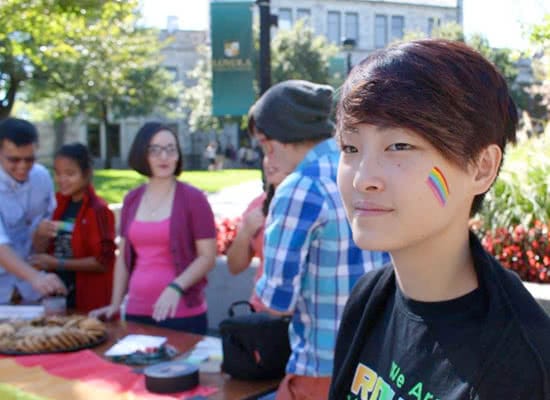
point(201, 216)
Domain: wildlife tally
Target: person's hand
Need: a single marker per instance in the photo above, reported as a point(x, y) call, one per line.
point(43, 261)
point(106, 313)
point(47, 229)
point(48, 284)
point(252, 221)
point(167, 304)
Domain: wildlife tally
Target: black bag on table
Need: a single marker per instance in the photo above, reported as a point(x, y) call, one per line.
point(255, 345)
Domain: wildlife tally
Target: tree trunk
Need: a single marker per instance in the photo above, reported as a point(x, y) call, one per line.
point(105, 123)
point(60, 129)
point(7, 105)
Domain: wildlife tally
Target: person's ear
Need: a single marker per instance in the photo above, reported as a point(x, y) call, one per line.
point(485, 168)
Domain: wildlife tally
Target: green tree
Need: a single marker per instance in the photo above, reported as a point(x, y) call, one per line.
point(295, 54)
point(540, 33)
point(540, 39)
point(114, 70)
point(198, 99)
point(31, 32)
point(449, 31)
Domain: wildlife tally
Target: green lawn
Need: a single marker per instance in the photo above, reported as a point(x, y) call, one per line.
point(113, 184)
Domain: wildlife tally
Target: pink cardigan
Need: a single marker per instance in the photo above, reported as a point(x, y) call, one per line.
point(191, 220)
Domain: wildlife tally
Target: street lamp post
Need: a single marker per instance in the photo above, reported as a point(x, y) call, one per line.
point(265, 39)
point(349, 45)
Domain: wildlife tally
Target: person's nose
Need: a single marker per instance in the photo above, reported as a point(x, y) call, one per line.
point(368, 176)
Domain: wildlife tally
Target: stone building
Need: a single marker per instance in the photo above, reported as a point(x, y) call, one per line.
point(363, 25)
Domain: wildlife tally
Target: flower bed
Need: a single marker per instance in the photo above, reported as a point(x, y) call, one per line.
point(523, 250)
point(226, 230)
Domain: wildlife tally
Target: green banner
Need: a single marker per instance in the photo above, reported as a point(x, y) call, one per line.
point(232, 73)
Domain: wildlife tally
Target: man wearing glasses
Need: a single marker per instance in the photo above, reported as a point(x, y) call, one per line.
point(26, 198)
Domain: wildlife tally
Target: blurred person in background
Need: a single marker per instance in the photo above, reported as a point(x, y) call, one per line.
point(81, 245)
point(27, 198)
point(249, 241)
point(168, 240)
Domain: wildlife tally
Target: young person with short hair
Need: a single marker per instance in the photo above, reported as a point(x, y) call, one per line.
point(27, 198)
point(310, 261)
point(422, 128)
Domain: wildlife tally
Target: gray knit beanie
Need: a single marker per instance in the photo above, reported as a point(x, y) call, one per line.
point(294, 111)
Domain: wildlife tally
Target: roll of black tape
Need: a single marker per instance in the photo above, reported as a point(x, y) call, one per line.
point(171, 377)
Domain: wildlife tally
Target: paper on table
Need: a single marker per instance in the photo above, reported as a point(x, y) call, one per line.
point(21, 312)
point(132, 343)
point(207, 354)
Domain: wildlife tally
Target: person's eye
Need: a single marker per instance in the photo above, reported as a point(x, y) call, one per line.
point(347, 148)
point(399, 147)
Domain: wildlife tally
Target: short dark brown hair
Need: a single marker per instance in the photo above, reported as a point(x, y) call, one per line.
point(444, 91)
point(137, 157)
point(18, 131)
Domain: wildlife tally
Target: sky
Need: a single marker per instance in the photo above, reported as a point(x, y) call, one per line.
point(502, 22)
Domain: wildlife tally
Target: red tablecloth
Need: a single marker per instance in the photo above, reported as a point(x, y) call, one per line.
point(81, 375)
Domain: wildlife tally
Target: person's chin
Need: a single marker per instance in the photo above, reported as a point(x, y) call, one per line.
point(163, 174)
point(371, 239)
point(20, 177)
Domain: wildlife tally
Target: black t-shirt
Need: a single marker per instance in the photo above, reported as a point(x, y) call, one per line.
point(414, 341)
point(63, 248)
point(490, 344)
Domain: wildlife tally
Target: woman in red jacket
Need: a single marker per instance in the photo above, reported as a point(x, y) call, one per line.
point(81, 247)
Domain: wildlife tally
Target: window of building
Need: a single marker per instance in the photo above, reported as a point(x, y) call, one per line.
point(333, 27)
point(285, 18)
point(432, 24)
point(93, 139)
point(397, 27)
point(113, 140)
point(305, 14)
point(352, 26)
point(380, 31)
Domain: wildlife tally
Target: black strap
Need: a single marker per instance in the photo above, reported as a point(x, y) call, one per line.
point(231, 310)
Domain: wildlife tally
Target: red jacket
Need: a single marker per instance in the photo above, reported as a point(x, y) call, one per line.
point(93, 235)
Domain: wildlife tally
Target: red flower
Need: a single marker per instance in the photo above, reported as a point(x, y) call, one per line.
point(525, 250)
point(226, 230)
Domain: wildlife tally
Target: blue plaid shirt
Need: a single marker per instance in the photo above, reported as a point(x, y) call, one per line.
point(310, 260)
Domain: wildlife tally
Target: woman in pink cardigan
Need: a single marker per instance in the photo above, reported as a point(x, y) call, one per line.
point(168, 240)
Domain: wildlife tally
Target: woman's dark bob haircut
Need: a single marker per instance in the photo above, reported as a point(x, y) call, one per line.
point(444, 91)
point(137, 158)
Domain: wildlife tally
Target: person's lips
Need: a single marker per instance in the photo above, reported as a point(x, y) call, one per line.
point(368, 208)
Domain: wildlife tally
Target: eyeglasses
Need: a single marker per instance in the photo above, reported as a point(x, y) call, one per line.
point(17, 160)
point(156, 150)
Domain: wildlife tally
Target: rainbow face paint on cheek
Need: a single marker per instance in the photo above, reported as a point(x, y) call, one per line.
point(437, 182)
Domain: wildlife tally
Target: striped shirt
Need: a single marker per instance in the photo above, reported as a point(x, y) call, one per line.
point(310, 260)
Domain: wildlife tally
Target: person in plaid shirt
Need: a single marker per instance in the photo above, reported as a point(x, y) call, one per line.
point(311, 262)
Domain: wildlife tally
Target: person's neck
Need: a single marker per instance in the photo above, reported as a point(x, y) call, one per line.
point(300, 151)
point(77, 197)
point(437, 268)
point(160, 185)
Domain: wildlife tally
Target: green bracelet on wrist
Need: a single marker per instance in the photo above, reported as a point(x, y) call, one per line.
point(176, 287)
